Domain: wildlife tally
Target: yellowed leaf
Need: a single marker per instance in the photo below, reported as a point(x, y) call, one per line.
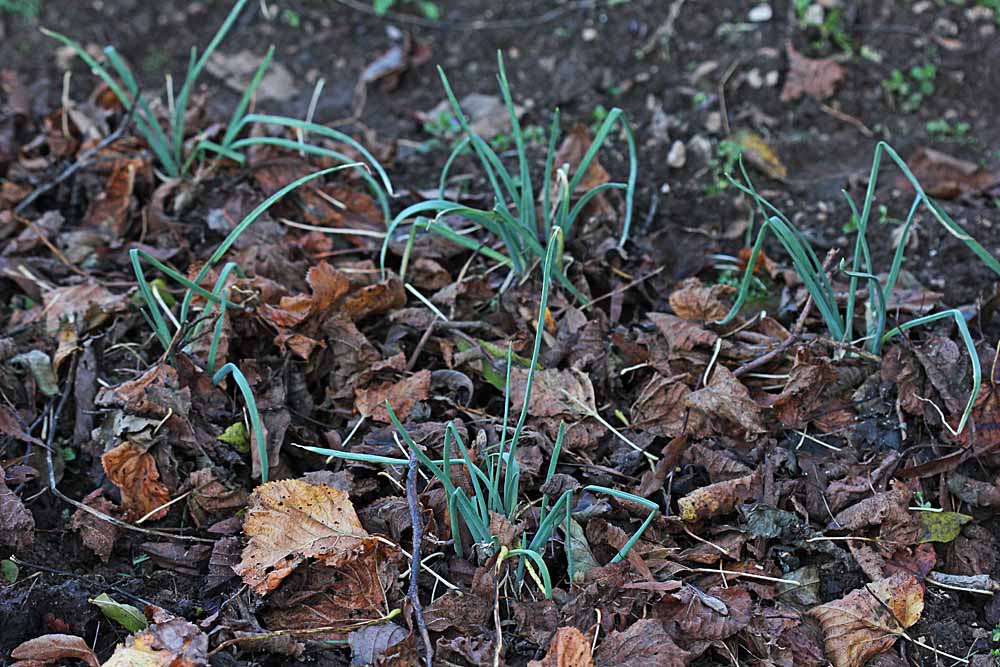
point(715, 499)
point(289, 521)
point(568, 648)
point(172, 643)
point(134, 472)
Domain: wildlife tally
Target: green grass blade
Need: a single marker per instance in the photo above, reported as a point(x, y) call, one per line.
point(251, 403)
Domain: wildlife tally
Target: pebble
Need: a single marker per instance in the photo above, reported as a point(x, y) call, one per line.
point(589, 34)
point(771, 78)
point(713, 123)
point(761, 13)
point(677, 155)
point(700, 146)
point(814, 15)
point(754, 78)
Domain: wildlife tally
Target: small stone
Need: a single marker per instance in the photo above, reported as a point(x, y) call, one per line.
point(665, 189)
point(771, 78)
point(589, 34)
point(761, 13)
point(921, 7)
point(713, 123)
point(677, 155)
point(754, 78)
point(814, 15)
point(700, 146)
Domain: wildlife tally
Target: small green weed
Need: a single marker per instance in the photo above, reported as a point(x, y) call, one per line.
point(827, 23)
point(943, 128)
point(911, 90)
point(428, 9)
point(26, 9)
point(726, 158)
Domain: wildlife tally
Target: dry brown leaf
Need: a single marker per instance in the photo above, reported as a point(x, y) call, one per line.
point(872, 511)
point(211, 496)
point(96, 534)
point(172, 643)
point(697, 302)
point(861, 625)
point(727, 398)
point(715, 499)
point(571, 152)
point(759, 153)
point(17, 525)
point(944, 176)
point(643, 644)
point(817, 78)
point(374, 299)
point(134, 472)
point(554, 392)
point(110, 209)
point(87, 305)
point(291, 520)
point(682, 334)
point(659, 408)
point(50, 648)
point(715, 614)
point(402, 396)
point(568, 648)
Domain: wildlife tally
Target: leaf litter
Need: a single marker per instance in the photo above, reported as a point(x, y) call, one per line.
point(792, 526)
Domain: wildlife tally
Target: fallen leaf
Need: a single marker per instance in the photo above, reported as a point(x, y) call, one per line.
point(210, 496)
point(17, 525)
point(10, 427)
point(942, 526)
point(374, 642)
point(715, 614)
point(134, 472)
point(50, 648)
point(402, 396)
point(817, 78)
point(694, 301)
point(87, 306)
point(727, 398)
point(759, 153)
point(659, 407)
point(867, 621)
point(291, 520)
point(645, 643)
point(682, 334)
point(96, 534)
point(172, 642)
point(571, 152)
point(125, 615)
point(237, 70)
point(944, 176)
point(487, 115)
point(715, 499)
point(568, 648)
point(110, 208)
point(554, 392)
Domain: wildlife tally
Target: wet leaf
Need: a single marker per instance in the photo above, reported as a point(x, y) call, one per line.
point(134, 472)
point(554, 392)
point(682, 334)
point(371, 642)
point(51, 648)
point(817, 78)
point(645, 643)
point(714, 614)
point(867, 621)
point(40, 365)
point(568, 648)
point(124, 615)
point(291, 520)
point(727, 399)
point(942, 526)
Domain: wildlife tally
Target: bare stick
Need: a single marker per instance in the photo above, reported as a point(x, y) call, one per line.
point(417, 524)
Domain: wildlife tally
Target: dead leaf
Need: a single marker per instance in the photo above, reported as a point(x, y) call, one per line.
point(375, 642)
point(96, 534)
point(868, 620)
point(645, 643)
point(402, 396)
point(134, 472)
point(568, 648)
point(291, 520)
point(724, 398)
point(554, 392)
point(759, 153)
point(659, 408)
point(817, 78)
point(210, 496)
point(487, 115)
point(682, 334)
point(110, 209)
point(87, 306)
point(171, 643)
point(374, 299)
point(715, 499)
point(694, 301)
point(237, 70)
point(571, 152)
point(944, 176)
point(715, 614)
point(17, 525)
point(51, 648)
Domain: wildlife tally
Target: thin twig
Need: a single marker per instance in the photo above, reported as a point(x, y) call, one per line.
point(417, 523)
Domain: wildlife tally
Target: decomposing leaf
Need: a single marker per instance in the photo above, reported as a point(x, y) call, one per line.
point(96, 534)
point(727, 398)
point(694, 301)
point(17, 525)
point(868, 620)
point(817, 78)
point(942, 526)
point(682, 334)
point(87, 305)
point(487, 115)
point(554, 392)
point(714, 614)
point(291, 520)
point(759, 153)
point(51, 648)
point(402, 396)
point(659, 408)
point(237, 70)
point(110, 209)
point(715, 499)
point(944, 176)
point(645, 643)
point(568, 648)
point(134, 472)
point(168, 642)
point(125, 615)
point(210, 496)
point(374, 642)
point(571, 152)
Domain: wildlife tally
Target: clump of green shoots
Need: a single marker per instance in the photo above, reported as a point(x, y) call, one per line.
point(167, 139)
point(496, 477)
point(911, 89)
point(513, 219)
point(840, 324)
